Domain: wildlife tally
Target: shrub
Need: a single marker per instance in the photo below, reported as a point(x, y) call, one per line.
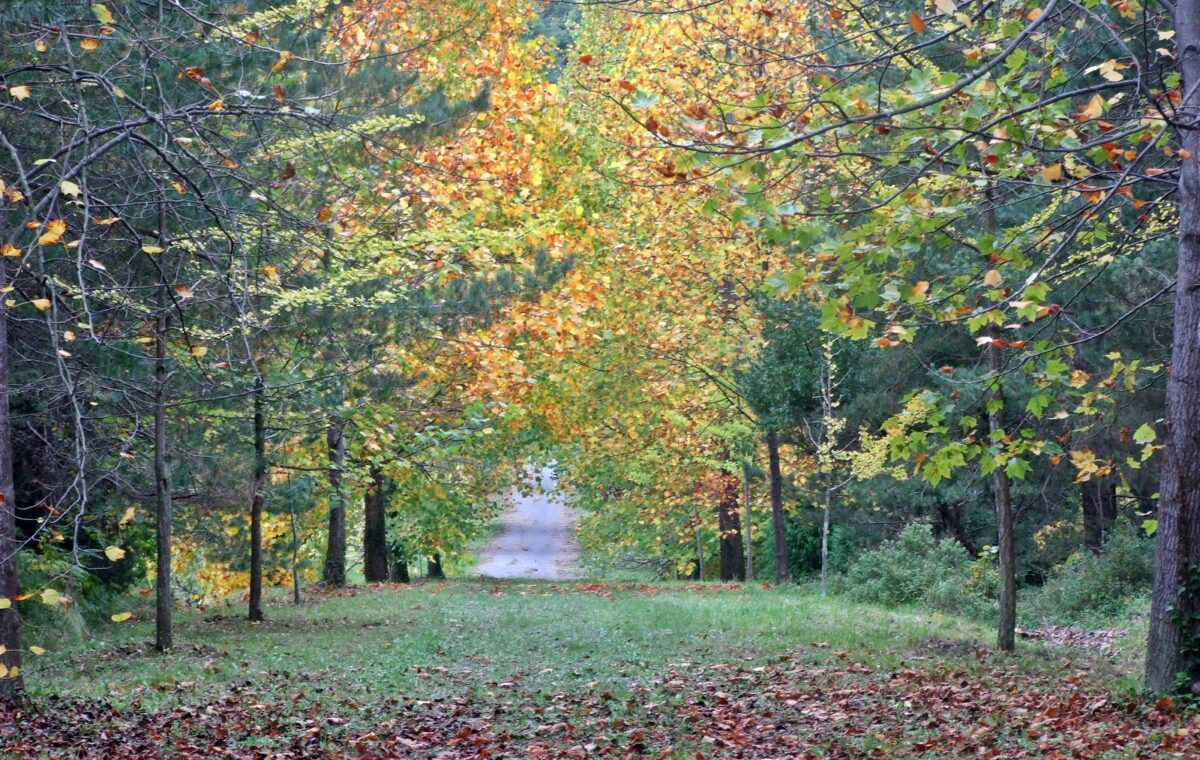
point(917, 568)
point(1092, 587)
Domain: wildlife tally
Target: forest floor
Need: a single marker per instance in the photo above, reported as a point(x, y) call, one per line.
point(472, 669)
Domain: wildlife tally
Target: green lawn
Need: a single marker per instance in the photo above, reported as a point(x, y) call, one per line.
point(564, 670)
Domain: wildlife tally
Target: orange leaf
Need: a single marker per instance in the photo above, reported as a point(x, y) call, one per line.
point(917, 23)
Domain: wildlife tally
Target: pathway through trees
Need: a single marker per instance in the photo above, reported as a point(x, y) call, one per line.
point(537, 535)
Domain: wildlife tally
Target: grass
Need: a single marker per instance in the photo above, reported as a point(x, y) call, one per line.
point(525, 656)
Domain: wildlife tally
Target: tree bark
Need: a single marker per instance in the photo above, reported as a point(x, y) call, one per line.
point(258, 500)
point(733, 566)
point(435, 570)
point(748, 534)
point(1006, 632)
point(163, 639)
point(825, 542)
point(334, 573)
point(400, 572)
point(1175, 605)
point(778, 519)
point(10, 627)
point(1099, 496)
point(375, 559)
point(952, 525)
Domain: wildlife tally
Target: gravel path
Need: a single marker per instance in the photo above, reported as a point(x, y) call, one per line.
point(536, 538)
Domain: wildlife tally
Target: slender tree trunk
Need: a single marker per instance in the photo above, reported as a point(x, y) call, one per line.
point(1006, 632)
point(1174, 644)
point(733, 566)
point(10, 628)
point(749, 542)
point(1099, 497)
point(295, 555)
point(435, 570)
point(1007, 628)
point(778, 519)
point(163, 640)
point(699, 573)
point(335, 550)
point(257, 500)
point(375, 552)
point(825, 543)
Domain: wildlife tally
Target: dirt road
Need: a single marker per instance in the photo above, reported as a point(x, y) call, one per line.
point(536, 538)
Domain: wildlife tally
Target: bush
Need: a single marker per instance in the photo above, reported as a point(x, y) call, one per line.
point(1091, 587)
point(917, 568)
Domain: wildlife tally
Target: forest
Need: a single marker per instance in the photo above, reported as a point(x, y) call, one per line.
point(600, 378)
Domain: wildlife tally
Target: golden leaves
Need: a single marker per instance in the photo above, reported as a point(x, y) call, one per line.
point(53, 233)
point(1053, 173)
point(121, 617)
point(41, 304)
point(114, 553)
point(19, 92)
point(284, 57)
point(89, 44)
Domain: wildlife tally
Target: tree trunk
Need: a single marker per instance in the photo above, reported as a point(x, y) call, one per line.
point(951, 517)
point(1007, 629)
point(257, 500)
point(400, 572)
point(335, 551)
point(749, 536)
point(1174, 644)
point(778, 519)
point(10, 628)
point(698, 573)
point(825, 543)
point(733, 566)
point(163, 640)
point(375, 559)
point(1099, 496)
point(295, 554)
point(435, 570)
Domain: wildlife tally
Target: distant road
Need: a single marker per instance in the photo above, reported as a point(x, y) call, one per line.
point(536, 538)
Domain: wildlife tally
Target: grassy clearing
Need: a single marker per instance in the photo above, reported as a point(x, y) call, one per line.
point(543, 669)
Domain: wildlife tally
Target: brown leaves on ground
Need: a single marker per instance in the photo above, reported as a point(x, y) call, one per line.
point(791, 707)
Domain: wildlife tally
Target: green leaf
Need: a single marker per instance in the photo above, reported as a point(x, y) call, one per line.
point(1144, 434)
point(1150, 526)
point(103, 14)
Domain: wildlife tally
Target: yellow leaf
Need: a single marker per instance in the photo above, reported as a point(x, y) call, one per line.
point(992, 278)
point(20, 92)
point(54, 232)
point(1078, 378)
point(179, 188)
point(69, 188)
point(103, 14)
point(69, 336)
point(128, 516)
point(37, 650)
point(51, 597)
point(3, 670)
point(5, 602)
point(152, 249)
point(217, 105)
point(1052, 173)
point(114, 553)
point(945, 6)
point(89, 44)
point(1093, 110)
point(121, 617)
point(41, 304)
point(199, 351)
point(10, 250)
point(920, 288)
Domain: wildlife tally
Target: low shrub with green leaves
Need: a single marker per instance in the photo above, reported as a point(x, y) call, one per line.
point(917, 568)
point(1097, 587)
